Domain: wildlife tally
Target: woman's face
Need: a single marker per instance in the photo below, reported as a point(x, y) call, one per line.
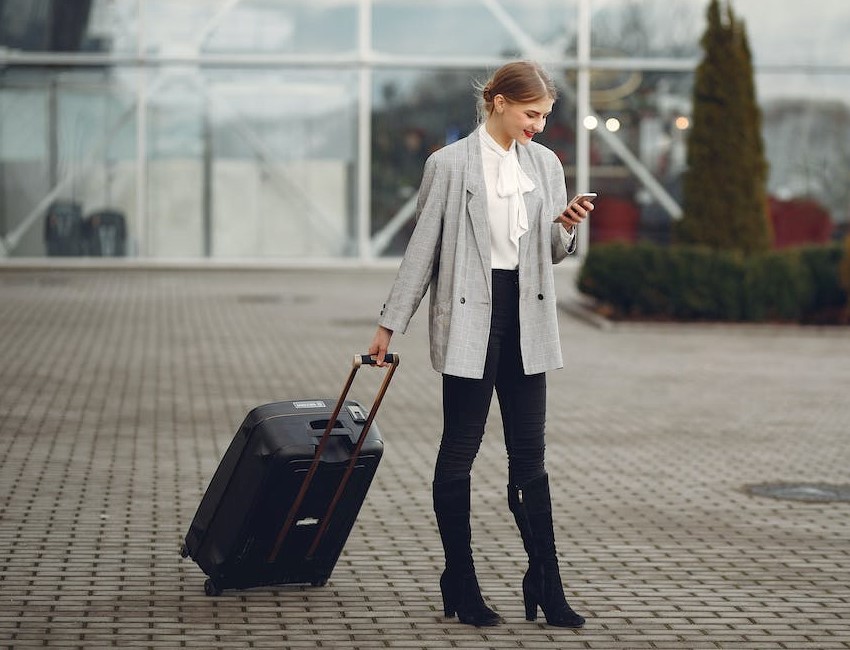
point(520, 121)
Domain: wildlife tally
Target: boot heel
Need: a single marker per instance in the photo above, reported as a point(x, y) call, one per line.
point(530, 607)
point(449, 607)
point(448, 610)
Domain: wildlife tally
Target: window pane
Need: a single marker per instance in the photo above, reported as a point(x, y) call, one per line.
point(63, 26)
point(646, 27)
point(806, 128)
point(247, 164)
point(469, 28)
point(24, 158)
point(67, 140)
point(252, 26)
point(647, 113)
point(415, 112)
point(780, 33)
point(810, 33)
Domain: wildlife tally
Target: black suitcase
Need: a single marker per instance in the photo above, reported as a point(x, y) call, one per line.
point(284, 498)
point(63, 229)
point(106, 234)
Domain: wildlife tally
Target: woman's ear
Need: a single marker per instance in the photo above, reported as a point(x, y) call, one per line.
point(499, 103)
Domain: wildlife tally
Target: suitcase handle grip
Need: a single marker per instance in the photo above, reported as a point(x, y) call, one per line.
point(371, 359)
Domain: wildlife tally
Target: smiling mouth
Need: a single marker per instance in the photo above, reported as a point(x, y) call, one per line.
point(529, 134)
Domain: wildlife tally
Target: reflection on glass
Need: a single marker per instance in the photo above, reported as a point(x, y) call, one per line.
point(414, 114)
point(814, 33)
point(65, 26)
point(251, 26)
point(253, 164)
point(471, 27)
point(780, 33)
point(175, 119)
point(807, 142)
point(646, 28)
point(24, 159)
point(96, 152)
point(67, 148)
point(648, 112)
point(806, 130)
point(245, 159)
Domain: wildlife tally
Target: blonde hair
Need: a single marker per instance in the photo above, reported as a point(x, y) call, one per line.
point(518, 82)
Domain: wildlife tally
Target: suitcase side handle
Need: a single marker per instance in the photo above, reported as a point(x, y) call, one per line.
point(360, 359)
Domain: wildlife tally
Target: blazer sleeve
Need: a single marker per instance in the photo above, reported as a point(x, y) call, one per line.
point(421, 257)
point(558, 189)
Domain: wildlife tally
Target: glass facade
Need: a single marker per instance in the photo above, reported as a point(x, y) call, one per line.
point(297, 130)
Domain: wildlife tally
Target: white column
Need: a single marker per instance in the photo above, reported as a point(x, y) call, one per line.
point(142, 227)
point(583, 109)
point(364, 131)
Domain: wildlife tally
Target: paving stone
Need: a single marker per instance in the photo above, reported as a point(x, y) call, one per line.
point(121, 389)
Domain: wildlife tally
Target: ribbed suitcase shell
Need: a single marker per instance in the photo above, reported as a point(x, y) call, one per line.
point(234, 531)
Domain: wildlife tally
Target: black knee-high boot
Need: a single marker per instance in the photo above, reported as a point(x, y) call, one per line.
point(531, 506)
point(458, 583)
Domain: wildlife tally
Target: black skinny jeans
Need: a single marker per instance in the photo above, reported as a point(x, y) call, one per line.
point(522, 399)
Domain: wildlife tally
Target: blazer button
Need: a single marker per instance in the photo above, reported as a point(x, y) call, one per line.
point(540, 296)
point(463, 301)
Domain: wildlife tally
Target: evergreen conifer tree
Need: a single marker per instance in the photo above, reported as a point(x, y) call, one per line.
point(725, 196)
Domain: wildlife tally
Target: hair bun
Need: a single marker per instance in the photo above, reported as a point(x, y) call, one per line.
point(487, 94)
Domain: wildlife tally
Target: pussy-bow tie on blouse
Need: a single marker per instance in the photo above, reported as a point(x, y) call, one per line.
point(512, 183)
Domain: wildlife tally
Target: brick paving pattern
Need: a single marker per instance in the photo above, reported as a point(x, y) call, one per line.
point(120, 390)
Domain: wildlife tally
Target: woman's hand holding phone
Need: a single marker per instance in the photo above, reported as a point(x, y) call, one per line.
point(577, 210)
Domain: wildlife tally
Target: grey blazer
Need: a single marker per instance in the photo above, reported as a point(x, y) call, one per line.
point(450, 251)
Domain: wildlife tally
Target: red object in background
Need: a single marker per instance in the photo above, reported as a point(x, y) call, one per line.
point(799, 221)
point(614, 219)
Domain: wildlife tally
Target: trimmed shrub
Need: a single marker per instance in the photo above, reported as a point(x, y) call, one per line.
point(699, 283)
point(610, 274)
point(707, 283)
point(777, 286)
point(844, 280)
point(824, 266)
point(844, 270)
point(681, 282)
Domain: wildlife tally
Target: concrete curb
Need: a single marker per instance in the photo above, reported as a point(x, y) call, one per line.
point(581, 308)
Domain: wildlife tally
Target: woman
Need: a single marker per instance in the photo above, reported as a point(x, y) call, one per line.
point(492, 218)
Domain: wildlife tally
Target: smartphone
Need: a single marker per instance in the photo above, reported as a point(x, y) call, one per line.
point(584, 196)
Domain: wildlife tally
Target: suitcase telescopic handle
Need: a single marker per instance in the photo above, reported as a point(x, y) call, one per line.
point(359, 360)
point(371, 359)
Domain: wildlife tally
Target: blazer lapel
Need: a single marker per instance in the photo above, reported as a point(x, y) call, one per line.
point(532, 199)
point(477, 202)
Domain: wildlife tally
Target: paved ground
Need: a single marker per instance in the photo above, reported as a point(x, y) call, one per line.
point(119, 391)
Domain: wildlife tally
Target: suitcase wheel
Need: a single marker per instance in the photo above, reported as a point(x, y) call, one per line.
point(319, 582)
point(211, 588)
point(184, 550)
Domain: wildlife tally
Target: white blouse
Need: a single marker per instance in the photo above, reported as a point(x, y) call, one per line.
point(506, 183)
